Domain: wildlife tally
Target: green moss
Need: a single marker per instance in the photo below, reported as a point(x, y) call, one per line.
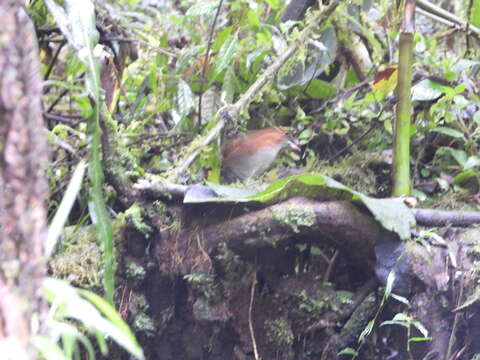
point(295, 217)
point(134, 214)
point(81, 260)
point(345, 297)
point(474, 250)
point(118, 225)
point(309, 304)
point(470, 238)
point(230, 263)
point(279, 332)
point(144, 324)
point(355, 171)
point(135, 272)
point(159, 207)
point(202, 283)
point(141, 302)
point(160, 210)
point(359, 319)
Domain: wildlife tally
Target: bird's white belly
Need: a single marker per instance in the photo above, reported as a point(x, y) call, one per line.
point(260, 161)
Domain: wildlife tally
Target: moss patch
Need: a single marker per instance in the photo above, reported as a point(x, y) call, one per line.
point(279, 332)
point(134, 214)
point(296, 217)
point(81, 261)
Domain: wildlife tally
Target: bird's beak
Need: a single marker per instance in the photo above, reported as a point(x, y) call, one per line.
point(294, 146)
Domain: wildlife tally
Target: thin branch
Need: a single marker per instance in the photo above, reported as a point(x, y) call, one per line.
point(250, 324)
point(70, 120)
point(61, 95)
point(146, 43)
point(52, 62)
point(205, 64)
point(428, 217)
point(436, 12)
point(160, 190)
point(375, 122)
point(331, 262)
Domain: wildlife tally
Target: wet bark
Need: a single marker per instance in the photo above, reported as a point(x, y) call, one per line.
point(23, 185)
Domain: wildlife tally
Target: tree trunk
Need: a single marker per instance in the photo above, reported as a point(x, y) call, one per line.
point(23, 184)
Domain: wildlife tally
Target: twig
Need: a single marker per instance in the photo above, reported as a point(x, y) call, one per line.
point(233, 110)
point(375, 122)
point(205, 64)
point(52, 62)
point(157, 188)
point(61, 95)
point(467, 37)
point(57, 100)
point(146, 43)
point(250, 324)
point(429, 217)
point(63, 119)
point(142, 137)
point(330, 266)
point(456, 320)
point(436, 12)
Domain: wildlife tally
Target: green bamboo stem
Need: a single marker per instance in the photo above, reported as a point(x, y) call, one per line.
point(401, 148)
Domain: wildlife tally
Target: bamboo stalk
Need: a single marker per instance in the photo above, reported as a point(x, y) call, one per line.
point(401, 146)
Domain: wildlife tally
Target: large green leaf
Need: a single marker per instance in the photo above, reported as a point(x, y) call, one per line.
point(475, 13)
point(428, 90)
point(96, 316)
point(61, 215)
point(393, 215)
point(202, 8)
point(225, 54)
point(78, 24)
point(184, 98)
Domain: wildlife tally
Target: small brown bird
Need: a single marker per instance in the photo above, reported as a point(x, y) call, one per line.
point(249, 154)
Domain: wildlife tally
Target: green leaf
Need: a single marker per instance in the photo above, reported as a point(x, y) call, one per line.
point(389, 285)
point(274, 4)
point(366, 331)
point(84, 39)
point(348, 351)
point(419, 339)
point(475, 14)
point(466, 175)
point(107, 310)
point(185, 58)
point(221, 37)
point(63, 211)
point(319, 89)
point(401, 299)
point(225, 55)
point(228, 86)
point(94, 313)
point(428, 90)
point(202, 8)
point(459, 156)
point(419, 326)
point(472, 161)
point(48, 348)
point(476, 117)
point(448, 131)
point(393, 215)
point(183, 98)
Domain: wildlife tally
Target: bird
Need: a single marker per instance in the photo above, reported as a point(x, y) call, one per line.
point(249, 154)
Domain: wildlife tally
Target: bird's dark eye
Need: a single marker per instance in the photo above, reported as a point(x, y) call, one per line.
point(290, 135)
